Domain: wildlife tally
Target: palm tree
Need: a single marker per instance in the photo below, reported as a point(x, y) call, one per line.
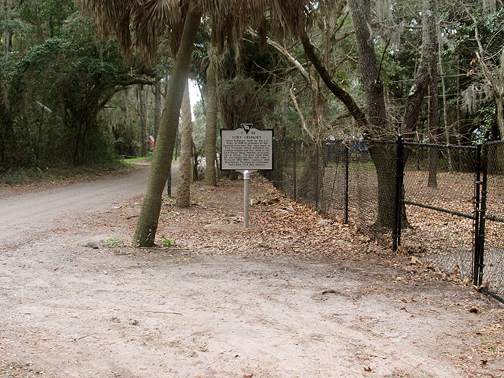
point(181, 18)
point(211, 122)
point(183, 195)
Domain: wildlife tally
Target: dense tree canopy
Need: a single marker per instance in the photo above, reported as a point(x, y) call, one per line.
point(54, 86)
point(46, 47)
point(309, 69)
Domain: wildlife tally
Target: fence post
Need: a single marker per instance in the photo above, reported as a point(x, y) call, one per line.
point(480, 204)
point(396, 234)
point(347, 164)
point(317, 178)
point(477, 194)
point(294, 170)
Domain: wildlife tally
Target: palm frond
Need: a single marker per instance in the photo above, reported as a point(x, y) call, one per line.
point(229, 19)
point(111, 17)
point(153, 18)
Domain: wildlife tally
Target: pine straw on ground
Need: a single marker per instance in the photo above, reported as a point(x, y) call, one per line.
point(214, 224)
point(278, 226)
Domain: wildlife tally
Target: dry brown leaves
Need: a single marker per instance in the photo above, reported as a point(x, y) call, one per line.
point(277, 225)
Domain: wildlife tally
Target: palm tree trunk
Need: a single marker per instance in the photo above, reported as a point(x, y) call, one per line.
point(157, 107)
point(160, 167)
point(141, 99)
point(185, 169)
point(211, 125)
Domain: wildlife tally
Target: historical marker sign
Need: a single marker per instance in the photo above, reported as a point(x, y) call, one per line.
point(247, 148)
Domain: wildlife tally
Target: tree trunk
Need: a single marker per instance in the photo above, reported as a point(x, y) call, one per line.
point(499, 104)
point(160, 167)
point(335, 89)
point(360, 11)
point(377, 115)
point(423, 75)
point(498, 89)
point(311, 180)
point(6, 132)
point(375, 98)
point(130, 148)
point(143, 120)
point(493, 76)
point(433, 152)
point(434, 91)
point(183, 195)
point(445, 104)
point(433, 133)
point(6, 123)
point(211, 125)
point(157, 107)
point(458, 106)
point(383, 156)
point(6, 37)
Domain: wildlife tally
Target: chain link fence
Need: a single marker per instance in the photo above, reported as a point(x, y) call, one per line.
point(439, 195)
point(445, 204)
point(493, 259)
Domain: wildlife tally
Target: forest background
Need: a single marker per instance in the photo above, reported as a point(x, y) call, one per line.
point(70, 97)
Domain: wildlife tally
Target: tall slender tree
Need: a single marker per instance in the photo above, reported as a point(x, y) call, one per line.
point(150, 19)
point(434, 92)
point(493, 72)
point(183, 195)
point(211, 122)
point(142, 113)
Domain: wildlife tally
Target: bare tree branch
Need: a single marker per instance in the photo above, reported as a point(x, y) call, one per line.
point(301, 117)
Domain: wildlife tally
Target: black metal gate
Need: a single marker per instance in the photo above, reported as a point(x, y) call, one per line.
point(469, 165)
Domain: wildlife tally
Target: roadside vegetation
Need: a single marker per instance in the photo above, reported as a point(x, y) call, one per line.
point(57, 175)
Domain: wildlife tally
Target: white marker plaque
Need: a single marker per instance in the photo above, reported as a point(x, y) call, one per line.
point(247, 148)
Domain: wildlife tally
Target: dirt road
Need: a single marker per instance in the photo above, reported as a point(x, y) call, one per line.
point(23, 215)
point(227, 302)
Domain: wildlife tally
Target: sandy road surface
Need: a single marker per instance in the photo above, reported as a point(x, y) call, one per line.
point(23, 215)
point(70, 311)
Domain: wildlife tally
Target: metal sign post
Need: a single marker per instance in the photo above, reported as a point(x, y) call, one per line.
point(246, 180)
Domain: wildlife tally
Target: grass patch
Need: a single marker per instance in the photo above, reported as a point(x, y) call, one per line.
point(115, 241)
point(134, 159)
point(14, 177)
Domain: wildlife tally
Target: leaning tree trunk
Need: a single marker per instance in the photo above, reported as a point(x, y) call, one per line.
point(183, 195)
point(211, 124)
point(160, 167)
